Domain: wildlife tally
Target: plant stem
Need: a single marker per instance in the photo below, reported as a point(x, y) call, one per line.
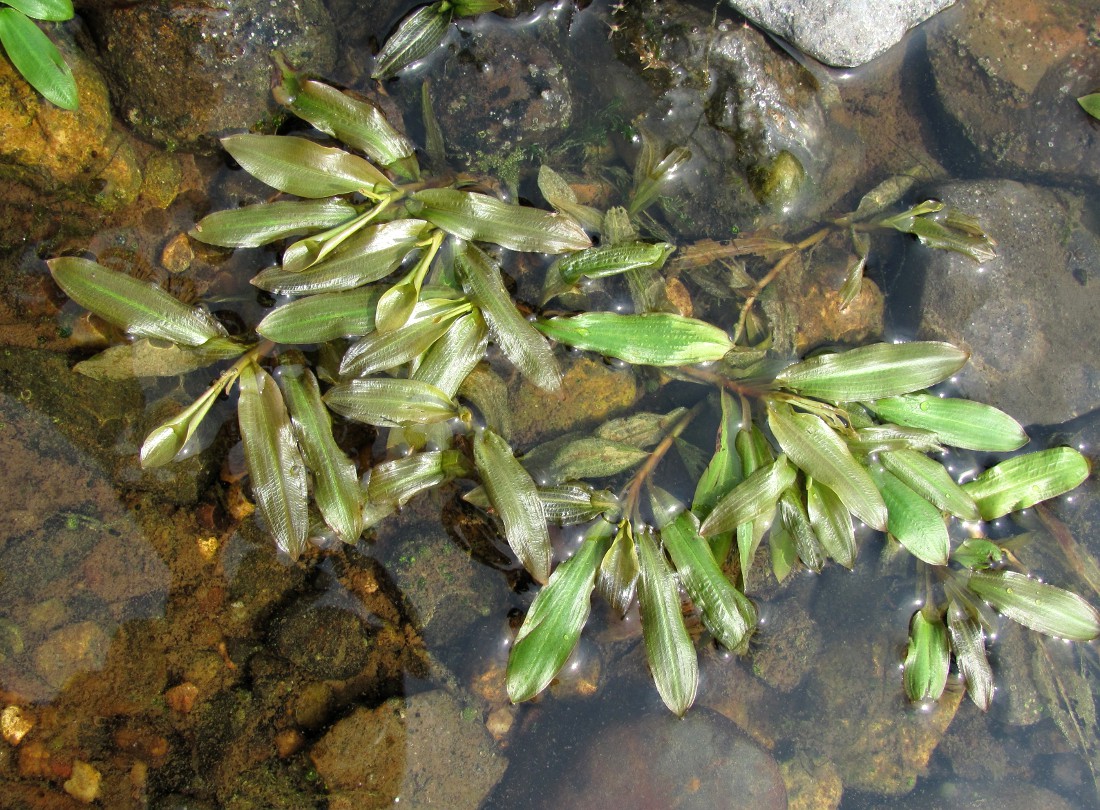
point(634, 487)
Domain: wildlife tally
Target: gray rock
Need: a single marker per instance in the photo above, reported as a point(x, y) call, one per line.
point(1009, 75)
point(843, 34)
point(183, 72)
point(1023, 314)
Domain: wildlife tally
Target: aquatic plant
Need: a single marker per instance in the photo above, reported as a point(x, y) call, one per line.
point(397, 292)
point(31, 51)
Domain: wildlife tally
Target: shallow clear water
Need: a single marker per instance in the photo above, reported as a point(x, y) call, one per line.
point(148, 630)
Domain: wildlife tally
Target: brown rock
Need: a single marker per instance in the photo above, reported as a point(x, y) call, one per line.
point(80, 647)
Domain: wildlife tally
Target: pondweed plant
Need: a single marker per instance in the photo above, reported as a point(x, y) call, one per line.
point(31, 51)
point(393, 284)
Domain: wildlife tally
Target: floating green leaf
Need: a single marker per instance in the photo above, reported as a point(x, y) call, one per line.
point(451, 358)
point(723, 472)
point(968, 644)
point(140, 308)
point(617, 581)
point(879, 438)
point(377, 351)
point(650, 339)
point(275, 465)
point(601, 262)
point(563, 199)
point(306, 169)
point(371, 254)
point(667, 643)
point(144, 358)
point(873, 372)
point(931, 481)
point(358, 123)
point(1090, 104)
point(51, 10)
point(792, 511)
point(727, 613)
point(957, 422)
point(555, 619)
point(517, 338)
point(37, 58)
point(256, 225)
point(1037, 605)
point(914, 522)
point(928, 660)
point(395, 482)
point(418, 35)
point(575, 502)
point(757, 495)
point(818, 451)
point(1024, 481)
point(166, 441)
point(516, 500)
point(387, 402)
point(335, 483)
point(977, 552)
point(481, 218)
point(327, 316)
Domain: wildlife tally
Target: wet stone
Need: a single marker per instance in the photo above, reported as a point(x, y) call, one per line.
point(79, 647)
point(1009, 72)
point(1020, 314)
point(422, 751)
point(326, 641)
point(183, 75)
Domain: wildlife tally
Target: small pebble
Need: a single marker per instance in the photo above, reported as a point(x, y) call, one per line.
point(83, 785)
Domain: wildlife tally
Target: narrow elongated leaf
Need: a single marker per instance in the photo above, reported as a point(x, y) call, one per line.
point(928, 660)
point(797, 523)
point(831, 523)
point(1035, 604)
point(399, 480)
point(301, 167)
point(643, 429)
point(931, 481)
point(389, 402)
point(554, 622)
point(275, 465)
point(376, 351)
point(755, 452)
point(418, 35)
point(727, 613)
point(141, 308)
point(1090, 104)
point(323, 317)
point(52, 10)
point(600, 262)
point(757, 495)
point(977, 552)
point(563, 199)
point(968, 644)
point(143, 358)
point(877, 438)
point(451, 359)
point(517, 338)
point(816, 448)
point(356, 122)
point(957, 422)
point(37, 59)
point(914, 522)
point(335, 483)
point(668, 646)
point(368, 256)
point(256, 225)
point(166, 441)
point(516, 499)
point(1024, 481)
point(873, 372)
point(723, 472)
point(481, 218)
point(650, 339)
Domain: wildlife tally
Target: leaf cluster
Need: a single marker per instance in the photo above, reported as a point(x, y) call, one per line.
point(392, 289)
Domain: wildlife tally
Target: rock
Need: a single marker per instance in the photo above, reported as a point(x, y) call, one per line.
point(326, 641)
point(502, 92)
point(183, 74)
point(784, 649)
point(83, 785)
point(1020, 314)
point(423, 751)
point(1012, 794)
point(591, 392)
point(759, 125)
point(52, 150)
point(812, 785)
point(656, 760)
point(80, 647)
point(840, 34)
point(1009, 73)
point(862, 721)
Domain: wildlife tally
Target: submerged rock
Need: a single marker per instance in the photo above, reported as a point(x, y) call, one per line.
point(1009, 73)
point(1020, 314)
point(423, 751)
point(184, 72)
point(841, 34)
